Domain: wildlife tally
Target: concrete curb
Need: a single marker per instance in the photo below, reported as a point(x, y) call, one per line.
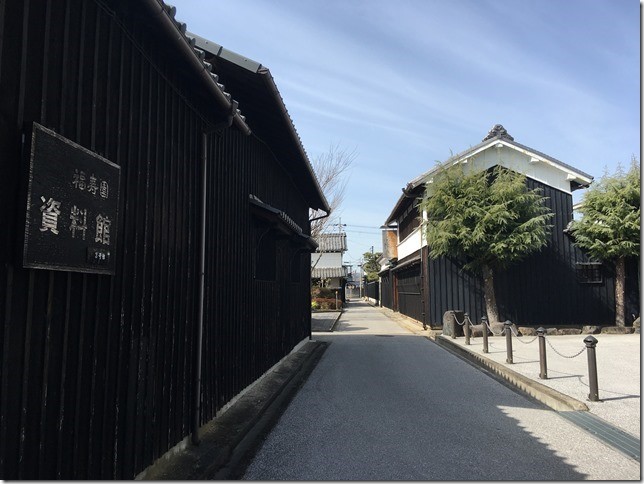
point(552, 398)
point(229, 441)
point(336, 321)
point(335, 317)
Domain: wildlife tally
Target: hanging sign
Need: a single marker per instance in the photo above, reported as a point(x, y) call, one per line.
point(72, 206)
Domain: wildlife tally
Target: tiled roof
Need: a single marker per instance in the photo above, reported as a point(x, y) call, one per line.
point(219, 88)
point(255, 89)
point(328, 272)
point(497, 134)
point(331, 242)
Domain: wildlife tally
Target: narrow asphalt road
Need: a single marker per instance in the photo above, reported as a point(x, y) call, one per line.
point(385, 404)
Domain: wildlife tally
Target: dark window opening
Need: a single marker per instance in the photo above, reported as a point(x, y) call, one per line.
point(409, 222)
point(266, 256)
point(589, 272)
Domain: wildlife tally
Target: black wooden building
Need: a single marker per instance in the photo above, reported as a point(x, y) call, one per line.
point(113, 350)
point(558, 286)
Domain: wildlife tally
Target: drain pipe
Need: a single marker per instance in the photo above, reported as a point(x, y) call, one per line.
point(196, 386)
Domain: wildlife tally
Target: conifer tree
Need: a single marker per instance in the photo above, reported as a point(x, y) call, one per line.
point(487, 219)
point(609, 229)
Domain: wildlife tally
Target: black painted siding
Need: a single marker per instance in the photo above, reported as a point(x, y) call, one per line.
point(541, 290)
point(95, 370)
point(386, 288)
point(409, 287)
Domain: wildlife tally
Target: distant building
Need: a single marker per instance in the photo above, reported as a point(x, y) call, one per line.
point(326, 262)
point(559, 285)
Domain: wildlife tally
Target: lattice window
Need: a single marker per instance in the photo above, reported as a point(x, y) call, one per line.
point(589, 272)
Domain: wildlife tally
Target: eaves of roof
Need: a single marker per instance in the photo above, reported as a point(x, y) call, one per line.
point(420, 180)
point(332, 242)
point(175, 32)
point(281, 221)
point(255, 89)
point(328, 272)
point(409, 194)
point(492, 142)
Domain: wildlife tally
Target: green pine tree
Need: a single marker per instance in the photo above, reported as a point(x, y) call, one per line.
point(488, 219)
point(371, 266)
point(609, 229)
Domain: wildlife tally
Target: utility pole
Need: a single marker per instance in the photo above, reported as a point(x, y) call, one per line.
point(339, 225)
point(361, 276)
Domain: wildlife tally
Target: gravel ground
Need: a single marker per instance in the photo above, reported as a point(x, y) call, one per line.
point(386, 404)
point(618, 371)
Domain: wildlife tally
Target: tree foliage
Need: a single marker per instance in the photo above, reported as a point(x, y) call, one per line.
point(610, 225)
point(331, 169)
point(485, 218)
point(609, 229)
point(370, 265)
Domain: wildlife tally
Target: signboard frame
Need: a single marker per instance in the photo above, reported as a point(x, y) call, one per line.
point(72, 213)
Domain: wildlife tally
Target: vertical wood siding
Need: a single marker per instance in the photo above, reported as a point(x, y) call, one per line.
point(541, 290)
point(95, 370)
point(409, 285)
point(386, 284)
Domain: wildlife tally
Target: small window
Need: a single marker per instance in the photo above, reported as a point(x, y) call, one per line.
point(589, 272)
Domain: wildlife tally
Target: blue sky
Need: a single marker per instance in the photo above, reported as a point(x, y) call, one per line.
point(408, 82)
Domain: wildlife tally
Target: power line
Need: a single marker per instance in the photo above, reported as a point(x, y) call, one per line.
point(359, 232)
point(364, 226)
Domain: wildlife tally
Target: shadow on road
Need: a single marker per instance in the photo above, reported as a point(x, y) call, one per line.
point(404, 409)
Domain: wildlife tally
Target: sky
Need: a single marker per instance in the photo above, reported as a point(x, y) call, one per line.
point(407, 83)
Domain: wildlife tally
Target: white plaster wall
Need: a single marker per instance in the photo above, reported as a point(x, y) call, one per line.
point(411, 244)
point(326, 259)
point(520, 162)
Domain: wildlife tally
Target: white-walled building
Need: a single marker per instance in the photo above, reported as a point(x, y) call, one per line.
point(549, 287)
point(326, 261)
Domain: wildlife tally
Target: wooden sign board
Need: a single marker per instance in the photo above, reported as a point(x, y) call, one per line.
point(72, 206)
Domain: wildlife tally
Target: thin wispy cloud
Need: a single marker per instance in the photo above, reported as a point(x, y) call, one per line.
point(409, 82)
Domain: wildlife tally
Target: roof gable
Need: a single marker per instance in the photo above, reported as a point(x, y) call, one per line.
point(498, 137)
point(254, 87)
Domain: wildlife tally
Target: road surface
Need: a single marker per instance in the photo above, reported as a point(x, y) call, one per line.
point(385, 404)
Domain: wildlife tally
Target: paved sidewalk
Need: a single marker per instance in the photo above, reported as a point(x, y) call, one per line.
point(618, 370)
point(384, 403)
point(324, 320)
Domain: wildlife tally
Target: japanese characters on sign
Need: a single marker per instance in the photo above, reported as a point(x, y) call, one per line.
point(72, 206)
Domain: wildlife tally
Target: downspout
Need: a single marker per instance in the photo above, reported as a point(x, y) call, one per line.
point(196, 383)
point(327, 214)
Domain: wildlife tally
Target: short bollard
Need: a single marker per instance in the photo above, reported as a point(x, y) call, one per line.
point(543, 365)
point(466, 328)
point(508, 341)
point(591, 343)
point(484, 324)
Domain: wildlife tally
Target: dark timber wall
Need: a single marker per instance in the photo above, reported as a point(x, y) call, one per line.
point(542, 290)
point(96, 370)
point(409, 286)
point(386, 289)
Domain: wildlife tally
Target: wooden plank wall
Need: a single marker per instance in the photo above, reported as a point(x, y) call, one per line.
point(95, 370)
point(541, 290)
